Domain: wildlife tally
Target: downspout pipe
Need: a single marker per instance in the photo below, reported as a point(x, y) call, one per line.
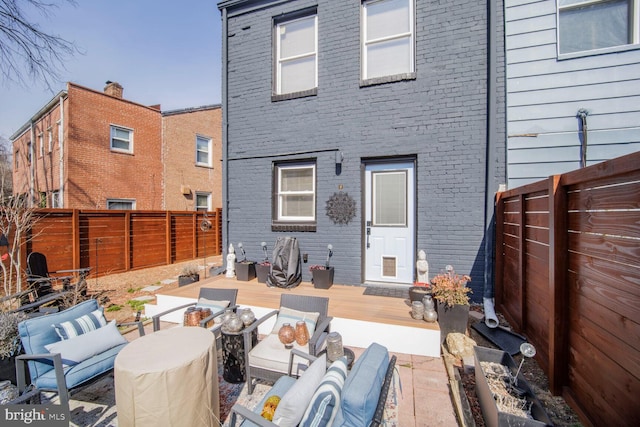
point(225, 135)
point(488, 299)
point(582, 116)
point(61, 160)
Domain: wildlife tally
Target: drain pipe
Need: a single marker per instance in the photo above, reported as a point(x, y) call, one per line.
point(582, 115)
point(225, 135)
point(490, 318)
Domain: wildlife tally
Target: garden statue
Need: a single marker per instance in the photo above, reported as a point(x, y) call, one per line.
point(231, 262)
point(422, 267)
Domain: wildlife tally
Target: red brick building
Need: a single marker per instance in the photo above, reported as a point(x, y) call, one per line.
point(87, 149)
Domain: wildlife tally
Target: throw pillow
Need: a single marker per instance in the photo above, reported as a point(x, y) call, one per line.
point(81, 347)
point(297, 398)
point(291, 316)
point(81, 325)
point(325, 402)
point(215, 306)
point(269, 407)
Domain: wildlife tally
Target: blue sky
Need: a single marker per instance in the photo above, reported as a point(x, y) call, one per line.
point(161, 51)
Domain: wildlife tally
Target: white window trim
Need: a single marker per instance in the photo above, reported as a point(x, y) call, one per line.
point(112, 128)
point(55, 199)
point(365, 42)
point(207, 195)
point(209, 151)
point(634, 22)
point(283, 218)
point(61, 134)
point(49, 140)
point(132, 201)
point(280, 60)
point(41, 144)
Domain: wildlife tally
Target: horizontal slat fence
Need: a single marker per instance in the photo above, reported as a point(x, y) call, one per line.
point(113, 241)
point(568, 278)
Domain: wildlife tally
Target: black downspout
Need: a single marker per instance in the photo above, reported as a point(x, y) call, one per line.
point(582, 115)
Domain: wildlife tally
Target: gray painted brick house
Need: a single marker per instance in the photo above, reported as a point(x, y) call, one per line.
point(377, 127)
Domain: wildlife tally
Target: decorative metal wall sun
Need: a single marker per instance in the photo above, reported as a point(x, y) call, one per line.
point(341, 208)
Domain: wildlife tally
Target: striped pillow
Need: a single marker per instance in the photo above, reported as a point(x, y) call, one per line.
point(81, 325)
point(325, 402)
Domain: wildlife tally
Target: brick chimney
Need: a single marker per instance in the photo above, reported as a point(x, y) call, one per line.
point(113, 89)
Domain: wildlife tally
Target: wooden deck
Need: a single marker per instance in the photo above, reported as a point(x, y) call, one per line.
point(360, 319)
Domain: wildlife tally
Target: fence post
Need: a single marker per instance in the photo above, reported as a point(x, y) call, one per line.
point(75, 238)
point(167, 243)
point(558, 299)
point(499, 250)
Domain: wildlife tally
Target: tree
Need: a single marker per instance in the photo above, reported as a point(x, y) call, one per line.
point(26, 50)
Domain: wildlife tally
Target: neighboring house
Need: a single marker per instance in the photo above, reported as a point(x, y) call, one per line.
point(87, 149)
point(573, 84)
point(374, 126)
point(192, 158)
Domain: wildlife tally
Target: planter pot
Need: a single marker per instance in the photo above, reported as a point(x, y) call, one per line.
point(417, 293)
point(492, 416)
point(262, 271)
point(452, 319)
point(8, 369)
point(187, 280)
point(322, 279)
point(245, 271)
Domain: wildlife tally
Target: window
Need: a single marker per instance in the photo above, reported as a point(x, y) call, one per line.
point(16, 157)
point(60, 134)
point(203, 151)
point(55, 199)
point(387, 38)
point(585, 25)
point(121, 204)
point(296, 55)
point(203, 201)
point(121, 139)
point(296, 192)
point(49, 140)
point(41, 144)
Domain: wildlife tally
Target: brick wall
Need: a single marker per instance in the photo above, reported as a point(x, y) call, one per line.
point(180, 129)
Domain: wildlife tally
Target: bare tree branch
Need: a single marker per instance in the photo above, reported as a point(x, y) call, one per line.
point(27, 52)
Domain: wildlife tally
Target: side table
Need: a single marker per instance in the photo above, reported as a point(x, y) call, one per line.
point(233, 355)
point(347, 352)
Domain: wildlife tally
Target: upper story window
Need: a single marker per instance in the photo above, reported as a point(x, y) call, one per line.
point(121, 139)
point(203, 151)
point(55, 199)
point(585, 25)
point(16, 158)
point(121, 204)
point(203, 201)
point(296, 65)
point(295, 192)
point(60, 134)
point(388, 47)
point(49, 140)
point(41, 145)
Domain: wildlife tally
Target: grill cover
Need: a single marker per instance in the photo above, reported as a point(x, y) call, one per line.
point(286, 265)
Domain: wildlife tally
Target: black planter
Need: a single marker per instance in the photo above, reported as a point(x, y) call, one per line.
point(452, 319)
point(417, 293)
point(492, 416)
point(8, 369)
point(322, 279)
point(187, 280)
point(245, 271)
point(262, 271)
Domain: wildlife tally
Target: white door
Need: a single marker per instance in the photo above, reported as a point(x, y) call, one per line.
point(389, 222)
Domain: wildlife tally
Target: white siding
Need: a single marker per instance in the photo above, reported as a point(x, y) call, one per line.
point(544, 94)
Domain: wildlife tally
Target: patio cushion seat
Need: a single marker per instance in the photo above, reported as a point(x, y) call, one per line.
point(279, 389)
point(272, 355)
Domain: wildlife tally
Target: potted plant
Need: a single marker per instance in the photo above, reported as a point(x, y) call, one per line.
point(452, 298)
point(263, 268)
point(245, 270)
point(322, 275)
point(190, 274)
point(10, 344)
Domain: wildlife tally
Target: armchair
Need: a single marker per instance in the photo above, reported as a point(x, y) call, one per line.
point(269, 359)
point(39, 276)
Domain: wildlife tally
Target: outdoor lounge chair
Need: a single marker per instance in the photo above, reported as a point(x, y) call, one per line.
point(39, 276)
point(269, 359)
point(213, 298)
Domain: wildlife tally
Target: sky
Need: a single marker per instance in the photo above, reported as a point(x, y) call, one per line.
point(161, 51)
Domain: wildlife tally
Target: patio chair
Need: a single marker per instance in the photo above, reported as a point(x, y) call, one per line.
point(269, 359)
point(87, 352)
point(218, 300)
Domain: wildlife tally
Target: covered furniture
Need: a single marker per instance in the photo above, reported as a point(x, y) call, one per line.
point(169, 378)
point(218, 300)
point(68, 349)
point(286, 264)
point(321, 397)
point(269, 359)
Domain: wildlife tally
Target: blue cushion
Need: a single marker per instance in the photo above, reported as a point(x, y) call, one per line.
point(37, 332)
point(83, 324)
point(82, 347)
point(362, 388)
point(325, 403)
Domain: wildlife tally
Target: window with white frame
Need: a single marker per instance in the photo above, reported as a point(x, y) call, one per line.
point(296, 55)
point(203, 151)
point(41, 145)
point(295, 192)
point(121, 139)
point(121, 204)
point(203, 201)
point(585, 25)
point(49, 140)
point(388, 46)
point(60, 134)
point(55, 199)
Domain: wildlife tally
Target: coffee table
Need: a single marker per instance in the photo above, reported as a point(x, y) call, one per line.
point(169, 377)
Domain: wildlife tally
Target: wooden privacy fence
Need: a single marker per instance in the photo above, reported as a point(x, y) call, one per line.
point(115, 241)
point(568, 278)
